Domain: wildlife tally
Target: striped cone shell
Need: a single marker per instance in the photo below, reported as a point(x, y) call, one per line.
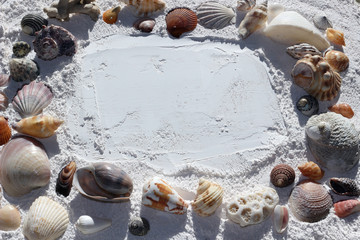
point(311, 170)
point(65, 179)
point(180, 20)
point(5, 131)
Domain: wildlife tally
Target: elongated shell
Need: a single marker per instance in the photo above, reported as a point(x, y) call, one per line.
point(337, 60)
point(342, 108)
point(5, 131)
point(280, 218)
point(24, 166)
point(146, 7)
point(22, 69)
point(253, 20)
point(321, 21)
point(335, 36)
point(299, 51)
point(65, 179)
point(347, 207)
point(40, 126)
point(89, 225)
point(282, 175)
point(308, 105)
point(311, 170)
point(21, 49)
point(180, 20)
point(31, 23)
point(310, 202)
point(208, 198)
point(245, 5)
point(344, 186)
point(110, 16)
point(159, 195)
point(10, 218)
point(46, 220)
point(32, 99)
point(139, 226)
point(215, 15)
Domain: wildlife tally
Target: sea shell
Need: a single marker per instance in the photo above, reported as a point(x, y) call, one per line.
point(347, 207)
point(32, 99)
point(40, 126)
point(21, 49)
point(337, 60)
point(103, 182)
point(159, 195)
point(280, 218)
point(139, 226)
point(291, 28)
point(253, 20)
point(311, 170)
point(335, 36)
point(4, 102)
point(146, 7)
point(31, 23)
point(4, 79)
point(180, 20)
point(22, 69)
point(308, 105)
point(89, 225)
point(65, 179)
point(54, 41)
point(145, 24)
point(214, 15)
point(310, 202)
point(316, 77)
point(282, 175)
point(10, 218)
point(208, 198)
point(5, 131)
point(342, 108)
point(300, 50)
point(245, 5)
point(333, 141)
point(321, 21)
point(274, 10)
point(110, 16)
point(344, 186)
point(46, 220)
point(252, 206)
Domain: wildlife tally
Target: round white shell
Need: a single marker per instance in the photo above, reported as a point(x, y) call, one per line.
point(89, 225)
point(215, 15)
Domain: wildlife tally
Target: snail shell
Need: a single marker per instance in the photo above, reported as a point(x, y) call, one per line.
point(299, 51)
point(321, 21)
point(21, 49)
point(214, 15)
point(180, 20)
point(344, 186)
point(110, 16)
point(245, 5)
point(342, 108)
point(282, 175)
point(347, 207)
point(253, 20)
point(337, 60)
point(22, 69)
point(139, 226)
point(335, 36)
point(40, 126)
point(308, 105)
point(311, 170)
point(5, 131)
point(65, 178)
point(145, 24)
point(31, 23)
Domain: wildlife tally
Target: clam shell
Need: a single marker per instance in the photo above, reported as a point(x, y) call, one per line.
point(31, 23)
point(347, 207)
point(65, 179)
point(344, 186)
point(282, 175)
point(179, 21)
point(10, 218)
point(308, 105)
point(5, 131)
point(24, 166)
point(321, 21)
point(22, 69)
point(139, 226)
point(299, 51)
point(89, 225)
point(21, 49)
point(335, 36)
point(280, 218)
point(4, 79)
point(46, 220)
point(110, 16)
point(32, 99)
point(337, 60)
point(342, 108)
point(145, 24)
point(310, 202)
point(253, 20)
point(146, 7)
point(4, 102)
point(214, 15)
point(159, 195)
point(311, 170)
point(245, 5)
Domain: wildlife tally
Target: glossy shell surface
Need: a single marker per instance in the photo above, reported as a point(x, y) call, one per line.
point(88, 225)
point(139, 226)
point(21, 49)
point(308, 105)
point(253, 20)
point(10, 218)
point(321, 21)
point(5, 131)
point(280, 218)
point(342, 108)
point(337, 60)
point(146, 7)
point(245, 5)
point(179, 21)
point(39, 126)
point(214, 15)
point(344, 186)
point(145, 24)
point(32, 23)
point(22, 69)
point(110, 16)
point(311, 170)
point(299, 51)
point(346, 207)
point(282, 175)
point(65, 179)
point(335, 36)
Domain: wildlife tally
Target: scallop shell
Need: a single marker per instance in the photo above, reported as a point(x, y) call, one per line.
point(4, 79)
point(5, 131)
point(280, 218)
point(310, 202)
point(179, 21)
point(208, 198)
point(316, 77)
point(31, 23)
point(46, 220)
point(146, 7)
point(308, 105)
point(333, 141)
point(311, 170)
point(159, 195)
point(110, 16)
point(342, 108)
point(139, 226)
point(10, 218)
point(21, 49)
point(321, 21)
point(282, 175)
point(89, 225)
point(4, 102)
point(335, 36)
point(337, 60)
point(344, 186)
point(214, 15)
point(22, 69)
point(347, 207)
point(24, 166)
point(32, 99)
point(145, 24)
point(103, 182)
point(245, 5)
point(300, 50)
point(253, 20)
point(65, 179)
point(40, 126)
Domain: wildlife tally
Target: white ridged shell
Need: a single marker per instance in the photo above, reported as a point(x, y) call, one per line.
point(89, 225)
point(215, 15)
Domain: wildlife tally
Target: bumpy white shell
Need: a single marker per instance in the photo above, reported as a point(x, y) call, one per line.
point(46, 220)
point(215, 15)
point(252, 206)
point(299, 51)
point(333, 141)
point(253, 20)
point(89, 225)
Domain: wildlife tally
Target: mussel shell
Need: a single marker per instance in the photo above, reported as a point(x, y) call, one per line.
point(65, 178)
point(31, 23)
point(139, 226)
point(180, 20)
point(282, 175)
point(308, 105)
point(344, 186)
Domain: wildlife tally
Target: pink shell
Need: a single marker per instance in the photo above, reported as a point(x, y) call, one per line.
point(347, 207)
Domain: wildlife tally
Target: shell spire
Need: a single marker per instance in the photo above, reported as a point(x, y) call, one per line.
point(253, 20)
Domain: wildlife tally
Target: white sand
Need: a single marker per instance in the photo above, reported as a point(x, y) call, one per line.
point(217, 117)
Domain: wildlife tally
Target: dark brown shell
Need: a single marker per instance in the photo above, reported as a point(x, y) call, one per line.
point(344, 186)
point(65, 178)
point(282, 175)
point(180, 20)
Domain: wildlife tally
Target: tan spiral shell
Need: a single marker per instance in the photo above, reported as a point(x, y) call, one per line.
point(40, 126)
point(311, 170)
point(282, 175)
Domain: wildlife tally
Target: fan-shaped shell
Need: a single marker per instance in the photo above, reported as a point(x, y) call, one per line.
point(342, 108)
point(215, 15)
point(22, 69)
point(4, 79)
point(139, 226)
point(10, 218)
point(333, 140)
point(145, 24)
point(321, 21)
point(89, 225)
point(280, 218)
point(335, 36)
point(253, 20)
point(21, 49)
point(310, 202)
point(245, 5)
point(311, 170)
point(4, 102)
point(32, 99)
point(110, 16)
point(299, 51)
point(146, 7)
point(24, 166)
point(46, 220)
point(31, 23)
point(282, 175)
point(347, 207)
point(308, 105)
point(40, 126)
point(337, 60)
point(180, 20)
point(65, 179)
point(344, 186)
point(5, 131)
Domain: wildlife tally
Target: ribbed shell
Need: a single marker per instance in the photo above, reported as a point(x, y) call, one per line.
point(4, 79)
point(23, 69)
point(344, 186)
point(146, 7)
point(21, 49)
point(311, 170)
point(65, 178)
point(4, 102)
point(335, 36)
point(308, 105)
point(32, 23)
point(347, 207)
point(39, 126)
point(253, 20)
point(310, 202)
point(299, 51)
point(333, 141)
point(282, 175)
point(180, 20)
point(46, 220)
point(5, 131)
point(342, 108)
point(337, 60)
point(214, 15)
point(245, 5)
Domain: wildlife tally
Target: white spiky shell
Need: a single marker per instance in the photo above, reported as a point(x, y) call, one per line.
point(46, 220)
point(89, 225)
point(215, 15)
point(253, 20)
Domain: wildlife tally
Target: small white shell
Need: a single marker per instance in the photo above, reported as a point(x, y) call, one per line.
point(89, 225)
point(280, 218)
point(215, 15)
point(321, 21)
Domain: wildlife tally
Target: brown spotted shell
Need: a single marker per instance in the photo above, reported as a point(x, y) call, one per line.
point(282, 175)
point(65, 178)
point(311, 170)
point(343, 109)
point(180, 20)
point(337, 60)
point(335, 36)
point(5, 131)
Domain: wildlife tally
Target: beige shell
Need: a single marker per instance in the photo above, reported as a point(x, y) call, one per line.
point(311, 170)
point(146, 7)
point(208, 198)
point(10, 218)
point(253, 20)
point(40, 126)
point(342, 108)
point(335, 36)
point(337, 60)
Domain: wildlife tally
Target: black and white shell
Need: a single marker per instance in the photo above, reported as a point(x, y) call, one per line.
point(300, 50)
point(31, 23)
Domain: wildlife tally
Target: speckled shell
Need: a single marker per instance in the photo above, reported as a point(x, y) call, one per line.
point(22, 69)
point(145, 24)
point(208, 198)
point(252, 206)
point(139, 226)
point(146, 7)
point(298, 51)
point(253, 20)
point(159, 195)
point(89, 225)
point(308, 105)
point(4, 79)
point(344, 186)
point(21, 49)
point(5, 131)
point(333, 141)
point(347, 207)
point(311, 170)
point(245, 5)
point(337, 60)
point(4, 102)
point(321, 21)
point(39, 126)
point(342, 108)
point(65, 179)
point(310, 202)
point(54, 41)
point(214, 15)
point(31, 23)
point(280, 218)
point(10, 218)
point(316, 77)
point(180, 20)
point(282, 175)
point(335, 36)
point(110, 16)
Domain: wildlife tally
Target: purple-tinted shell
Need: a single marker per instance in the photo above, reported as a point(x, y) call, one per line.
point(4, 79)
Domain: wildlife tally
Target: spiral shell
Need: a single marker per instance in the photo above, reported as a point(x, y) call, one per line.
point(179, 21)
point(21, 49)
point(145, 24)
point(342, 108)
point(337, 60)
point(110, 16)
point(311, 170)
point(344, 186)
point(308, 105)
point(215, 15)
point(335, 36)
point(5, 131)
point(282, 175)
point(31, 23)
point(65, 179)
point(347, 207)
point(321, 21)
point(253, 20)
point(22, 69)
point(245, 5)
point(139, 226)
point(299, 51)
point(146, 7)
point(10, 218)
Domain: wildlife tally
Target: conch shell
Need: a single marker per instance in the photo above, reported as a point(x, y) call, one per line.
point(40, 126)
point(311, 170)
point(253, 20)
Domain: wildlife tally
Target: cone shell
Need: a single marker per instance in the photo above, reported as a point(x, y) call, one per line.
point(335, 36)
point(21, 49)
point(24, 166)
point(215, 15)
point(347, 207)
point(31, 23)
point(310, 202)
point(65, 179)
point(46, 220)
point(4, 103)
point(311, 170)
point(245, 5)
point(180, 20)
point(344, 186)
point(139, 226)
point(208, 198)
point(342, 108)
point(145, 24)
point(159, 195)
point(10, 218)
point(110, 16)
point(89, 225)
point(23, 69)
point(5, 131)
point(308, 105)
point(337, 60)
point(146, 7)
point(282, 175)
point(280, 218)
point(299, 51)
point(253, 20)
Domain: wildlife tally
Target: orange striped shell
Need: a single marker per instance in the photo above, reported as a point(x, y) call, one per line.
point(311, 170)
point(5, 131)
point(110, 16)
point(343, 109)
point(180, 20)
point(335, 36)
